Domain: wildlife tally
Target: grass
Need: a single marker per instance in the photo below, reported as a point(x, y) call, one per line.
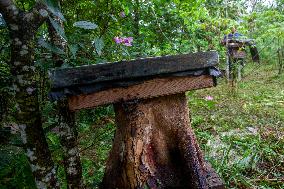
point(241, 130)
point(95, 136)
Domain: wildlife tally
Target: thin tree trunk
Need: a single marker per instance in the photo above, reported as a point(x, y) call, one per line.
point(69, 142)
point(280, 56)
point(56, 40)
point(67, 125)
point(28, 113)
point(136, 19)
point(23, 27)
point(280, 60)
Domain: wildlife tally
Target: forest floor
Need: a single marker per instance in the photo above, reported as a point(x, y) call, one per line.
point(240, 131)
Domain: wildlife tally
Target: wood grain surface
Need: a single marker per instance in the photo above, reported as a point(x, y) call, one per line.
point(148, 89)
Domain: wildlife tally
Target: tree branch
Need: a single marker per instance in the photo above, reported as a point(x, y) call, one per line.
point(9, 10)
point(37, 15)
point(5, 3)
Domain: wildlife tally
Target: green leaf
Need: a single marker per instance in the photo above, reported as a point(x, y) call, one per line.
point(54, 139)
point(85, 25)
point(2, 21)
point(58, 28)
point(52, 6)
point(73, 49)
point(50, 47)
point(99, 45)
point(113, 17)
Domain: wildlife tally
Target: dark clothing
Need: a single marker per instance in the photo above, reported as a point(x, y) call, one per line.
point(235, 43)
point(235, 50)
point(232, 36)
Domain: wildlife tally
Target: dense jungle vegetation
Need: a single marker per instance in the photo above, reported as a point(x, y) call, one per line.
point(240, 130)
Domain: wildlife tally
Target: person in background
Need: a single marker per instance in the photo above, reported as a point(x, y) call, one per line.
point(235, 53)
point(234, 35)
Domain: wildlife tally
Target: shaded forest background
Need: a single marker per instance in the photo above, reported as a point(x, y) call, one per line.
point(88, 32)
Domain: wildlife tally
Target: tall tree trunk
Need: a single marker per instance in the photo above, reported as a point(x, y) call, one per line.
point(23, 27)
point(67, 124)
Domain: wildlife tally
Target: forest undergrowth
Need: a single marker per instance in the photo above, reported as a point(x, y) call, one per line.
point(240, 131)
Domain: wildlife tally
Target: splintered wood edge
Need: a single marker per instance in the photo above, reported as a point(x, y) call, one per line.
point(149, 89)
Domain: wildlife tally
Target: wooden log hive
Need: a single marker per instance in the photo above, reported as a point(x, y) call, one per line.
point(154, 145)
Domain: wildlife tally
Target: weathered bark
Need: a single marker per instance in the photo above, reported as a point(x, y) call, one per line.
point(145, 68)
point(69, 142)
point(67, 124)
point(56, 40)
point(23, 27)
point(154, 147)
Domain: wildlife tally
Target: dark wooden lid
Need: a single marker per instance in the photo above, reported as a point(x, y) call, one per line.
point(93, 78)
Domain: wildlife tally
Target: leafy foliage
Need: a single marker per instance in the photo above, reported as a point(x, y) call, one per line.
point(238, 141)
point(85, 25)
point(15, 171)
point(2, 21)
point(242, 135)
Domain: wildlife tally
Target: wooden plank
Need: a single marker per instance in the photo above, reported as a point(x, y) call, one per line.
point(148, 89)
point(60, 93)
point(84, 75)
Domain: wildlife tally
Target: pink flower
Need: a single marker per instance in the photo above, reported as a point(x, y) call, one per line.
point(122, 14)
point(208, 98)
point(118, 40)
point(30, 90)
point(56, 130)
point(127, 41)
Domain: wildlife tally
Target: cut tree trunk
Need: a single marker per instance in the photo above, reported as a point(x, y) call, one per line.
point(154, 147)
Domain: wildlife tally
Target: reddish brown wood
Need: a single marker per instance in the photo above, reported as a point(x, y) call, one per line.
point(148, 89)
point(155, 147)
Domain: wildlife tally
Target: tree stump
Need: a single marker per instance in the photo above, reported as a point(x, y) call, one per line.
point(154, 145)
